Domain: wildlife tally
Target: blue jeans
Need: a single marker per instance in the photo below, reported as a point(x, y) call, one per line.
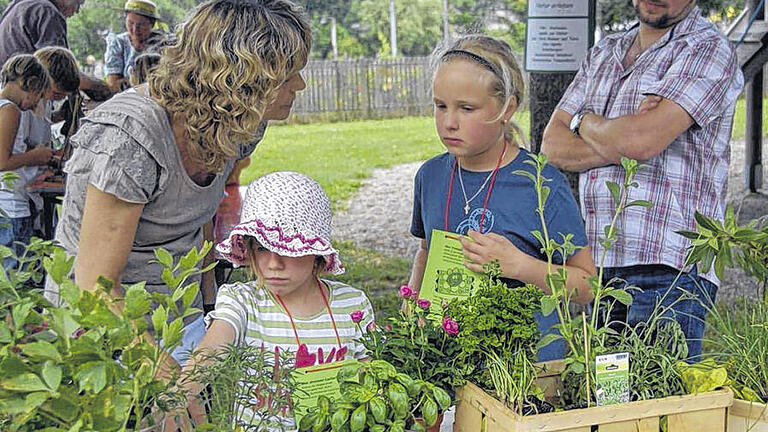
point(15, 234)
point(656, 286)
point(193, 334)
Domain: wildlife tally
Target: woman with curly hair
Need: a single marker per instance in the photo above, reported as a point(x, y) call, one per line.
point(149, 165)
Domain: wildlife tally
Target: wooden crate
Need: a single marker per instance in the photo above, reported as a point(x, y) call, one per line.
point(746, 416)
point(477, 411)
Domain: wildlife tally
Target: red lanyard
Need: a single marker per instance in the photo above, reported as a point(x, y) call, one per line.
point(487, 194)
point(327, 306)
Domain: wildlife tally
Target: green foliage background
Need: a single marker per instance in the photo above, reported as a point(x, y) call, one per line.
point(363, 25)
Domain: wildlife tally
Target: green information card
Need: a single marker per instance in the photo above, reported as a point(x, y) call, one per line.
point(612, 375)
point(445, 276)
point(314, 381)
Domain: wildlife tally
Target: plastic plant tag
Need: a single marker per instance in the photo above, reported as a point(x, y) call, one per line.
point(612, 376)
point(314, 381)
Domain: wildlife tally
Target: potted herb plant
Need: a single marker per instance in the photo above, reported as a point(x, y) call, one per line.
point(243, 377)
point(738, 341)
point(497, 335)
point(418, 344)
point(85, 366)
point(376, 397)
point(656, 346)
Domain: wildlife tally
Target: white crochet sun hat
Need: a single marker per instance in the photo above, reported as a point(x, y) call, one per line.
point(287, 213)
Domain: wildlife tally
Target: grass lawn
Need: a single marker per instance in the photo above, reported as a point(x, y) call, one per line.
point(341, 155)
point(739, 121)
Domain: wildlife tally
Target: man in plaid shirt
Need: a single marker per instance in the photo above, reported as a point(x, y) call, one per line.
point(663, 92)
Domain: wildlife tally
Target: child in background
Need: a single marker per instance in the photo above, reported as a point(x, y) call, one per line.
point(65, 80)
point(24, 82)
point(472, 189)
point(227, 216)
point(142, 67)
point(284, 236)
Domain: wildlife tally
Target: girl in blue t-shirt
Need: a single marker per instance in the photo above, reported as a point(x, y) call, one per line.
point(472, 189)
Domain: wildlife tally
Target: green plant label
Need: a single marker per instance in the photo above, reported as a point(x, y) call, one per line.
point(612, 376)
point(313, 382)
point(445, 276)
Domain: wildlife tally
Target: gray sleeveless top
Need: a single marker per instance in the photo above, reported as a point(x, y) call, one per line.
point(126, 148)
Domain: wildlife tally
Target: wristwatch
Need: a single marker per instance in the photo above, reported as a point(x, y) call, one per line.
point(576, 122)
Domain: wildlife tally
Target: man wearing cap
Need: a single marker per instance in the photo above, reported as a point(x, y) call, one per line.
point(28, 25)
point(122, 49)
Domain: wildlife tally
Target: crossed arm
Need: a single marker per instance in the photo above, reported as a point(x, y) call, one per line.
point(642, 135)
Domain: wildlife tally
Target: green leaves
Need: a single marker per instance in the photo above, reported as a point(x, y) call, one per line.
point(357, 419)
point(702, 377)
point(92, 376)
point(338, 419)
point(57, 363)
point(429, 411)
point(52, 375)
point(378, 409)
point(137, 302)
point(621, 295)
point(40, 350)
point(26, 382)
point(725, 244)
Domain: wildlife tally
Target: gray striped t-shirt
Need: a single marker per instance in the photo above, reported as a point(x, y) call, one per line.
point(258, 320)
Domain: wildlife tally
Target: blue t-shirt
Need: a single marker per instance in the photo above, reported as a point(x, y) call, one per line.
point(511, 208)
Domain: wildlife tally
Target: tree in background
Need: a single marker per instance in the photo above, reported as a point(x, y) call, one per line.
point(87, 29)
point(362, 26)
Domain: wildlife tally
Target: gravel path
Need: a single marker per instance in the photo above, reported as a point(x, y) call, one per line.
point(379, 216)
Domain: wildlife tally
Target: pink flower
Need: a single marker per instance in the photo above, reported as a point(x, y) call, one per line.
point(356, 316)
point(406, 291)
point(423, 303)
point(420, 322)
point(450, 326)
point(371, 326)
point(77, 333)
point(387, 327)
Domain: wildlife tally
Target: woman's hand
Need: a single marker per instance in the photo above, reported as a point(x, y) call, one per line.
point(484, 248)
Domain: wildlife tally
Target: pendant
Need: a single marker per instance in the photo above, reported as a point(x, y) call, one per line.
point(466, 209)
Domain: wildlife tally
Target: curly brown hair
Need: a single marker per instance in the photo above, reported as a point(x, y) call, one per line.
point(230, 59)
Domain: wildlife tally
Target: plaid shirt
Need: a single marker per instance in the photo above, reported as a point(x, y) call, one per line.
point(694, 66)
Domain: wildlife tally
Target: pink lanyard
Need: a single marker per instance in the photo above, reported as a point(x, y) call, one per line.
point(327, 306)
point(487, 194)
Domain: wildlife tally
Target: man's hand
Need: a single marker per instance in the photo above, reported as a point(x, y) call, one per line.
point(650, 102)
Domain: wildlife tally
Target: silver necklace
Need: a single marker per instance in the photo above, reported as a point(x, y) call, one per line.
point(464, 192)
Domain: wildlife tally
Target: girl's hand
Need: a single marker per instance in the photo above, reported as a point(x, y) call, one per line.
point(40, 155)
point(484, 248)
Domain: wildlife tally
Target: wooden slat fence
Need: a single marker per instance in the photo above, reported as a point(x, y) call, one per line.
point(366, 88)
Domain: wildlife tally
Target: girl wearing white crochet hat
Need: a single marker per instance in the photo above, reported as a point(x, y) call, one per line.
point(284, 236)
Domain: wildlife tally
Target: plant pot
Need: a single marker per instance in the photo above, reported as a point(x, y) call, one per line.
point(435, 427)
point(748, 416)
point(704, 412)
